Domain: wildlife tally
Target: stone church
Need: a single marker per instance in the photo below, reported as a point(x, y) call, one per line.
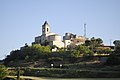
point(47, 36)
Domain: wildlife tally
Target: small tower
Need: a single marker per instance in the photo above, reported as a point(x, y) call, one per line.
point(45, 28)
point(85, 30)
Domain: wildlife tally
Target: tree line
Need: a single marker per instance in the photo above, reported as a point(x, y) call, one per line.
point(36, 51)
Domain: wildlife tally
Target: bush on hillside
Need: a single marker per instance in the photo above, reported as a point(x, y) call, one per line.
point(113, 60)
point(52, 59)
point(3, 72)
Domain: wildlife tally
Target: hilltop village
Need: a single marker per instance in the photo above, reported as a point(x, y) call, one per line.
point(73, 57)
point(69, 41)
point(49, 47)
point(53, 39)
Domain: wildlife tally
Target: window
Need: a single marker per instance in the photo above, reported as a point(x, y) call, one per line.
point(43, 29)
point(47, 29)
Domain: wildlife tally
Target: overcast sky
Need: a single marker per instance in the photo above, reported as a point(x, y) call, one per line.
point(21, 20)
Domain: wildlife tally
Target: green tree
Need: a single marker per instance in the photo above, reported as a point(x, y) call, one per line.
point(41, 49)
point(29, 53)
point(14, 55)
point(46, 49)
point(99, 41)
point(116, 42)
point(117, 46)
point(75, 53)
point(81, 50)
point(87, 43)
point(3, 72)
point(96, 41)
point(93, 43)
point(18, 73)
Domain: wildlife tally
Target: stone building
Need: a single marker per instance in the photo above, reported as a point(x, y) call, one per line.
point(47, 36)
point(71, 40)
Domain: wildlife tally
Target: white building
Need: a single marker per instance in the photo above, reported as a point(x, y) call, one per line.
point(71, 40)
point(47, 36)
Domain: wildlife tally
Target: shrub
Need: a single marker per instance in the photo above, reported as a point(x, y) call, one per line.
point(113, 60)
point(3, 72)
point(52, 59)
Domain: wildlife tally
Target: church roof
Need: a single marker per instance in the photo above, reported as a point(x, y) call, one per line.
point(46, 23)
point(54, 34)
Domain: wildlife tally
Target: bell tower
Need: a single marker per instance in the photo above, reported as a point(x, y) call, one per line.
point(45, 28)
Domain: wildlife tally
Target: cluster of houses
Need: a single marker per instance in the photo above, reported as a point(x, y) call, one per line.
point(69, 40)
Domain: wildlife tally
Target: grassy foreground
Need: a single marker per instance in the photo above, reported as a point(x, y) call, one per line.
point(78, 70)
point(71, 73)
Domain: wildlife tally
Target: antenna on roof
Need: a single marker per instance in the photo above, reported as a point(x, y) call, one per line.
point(84, 29)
